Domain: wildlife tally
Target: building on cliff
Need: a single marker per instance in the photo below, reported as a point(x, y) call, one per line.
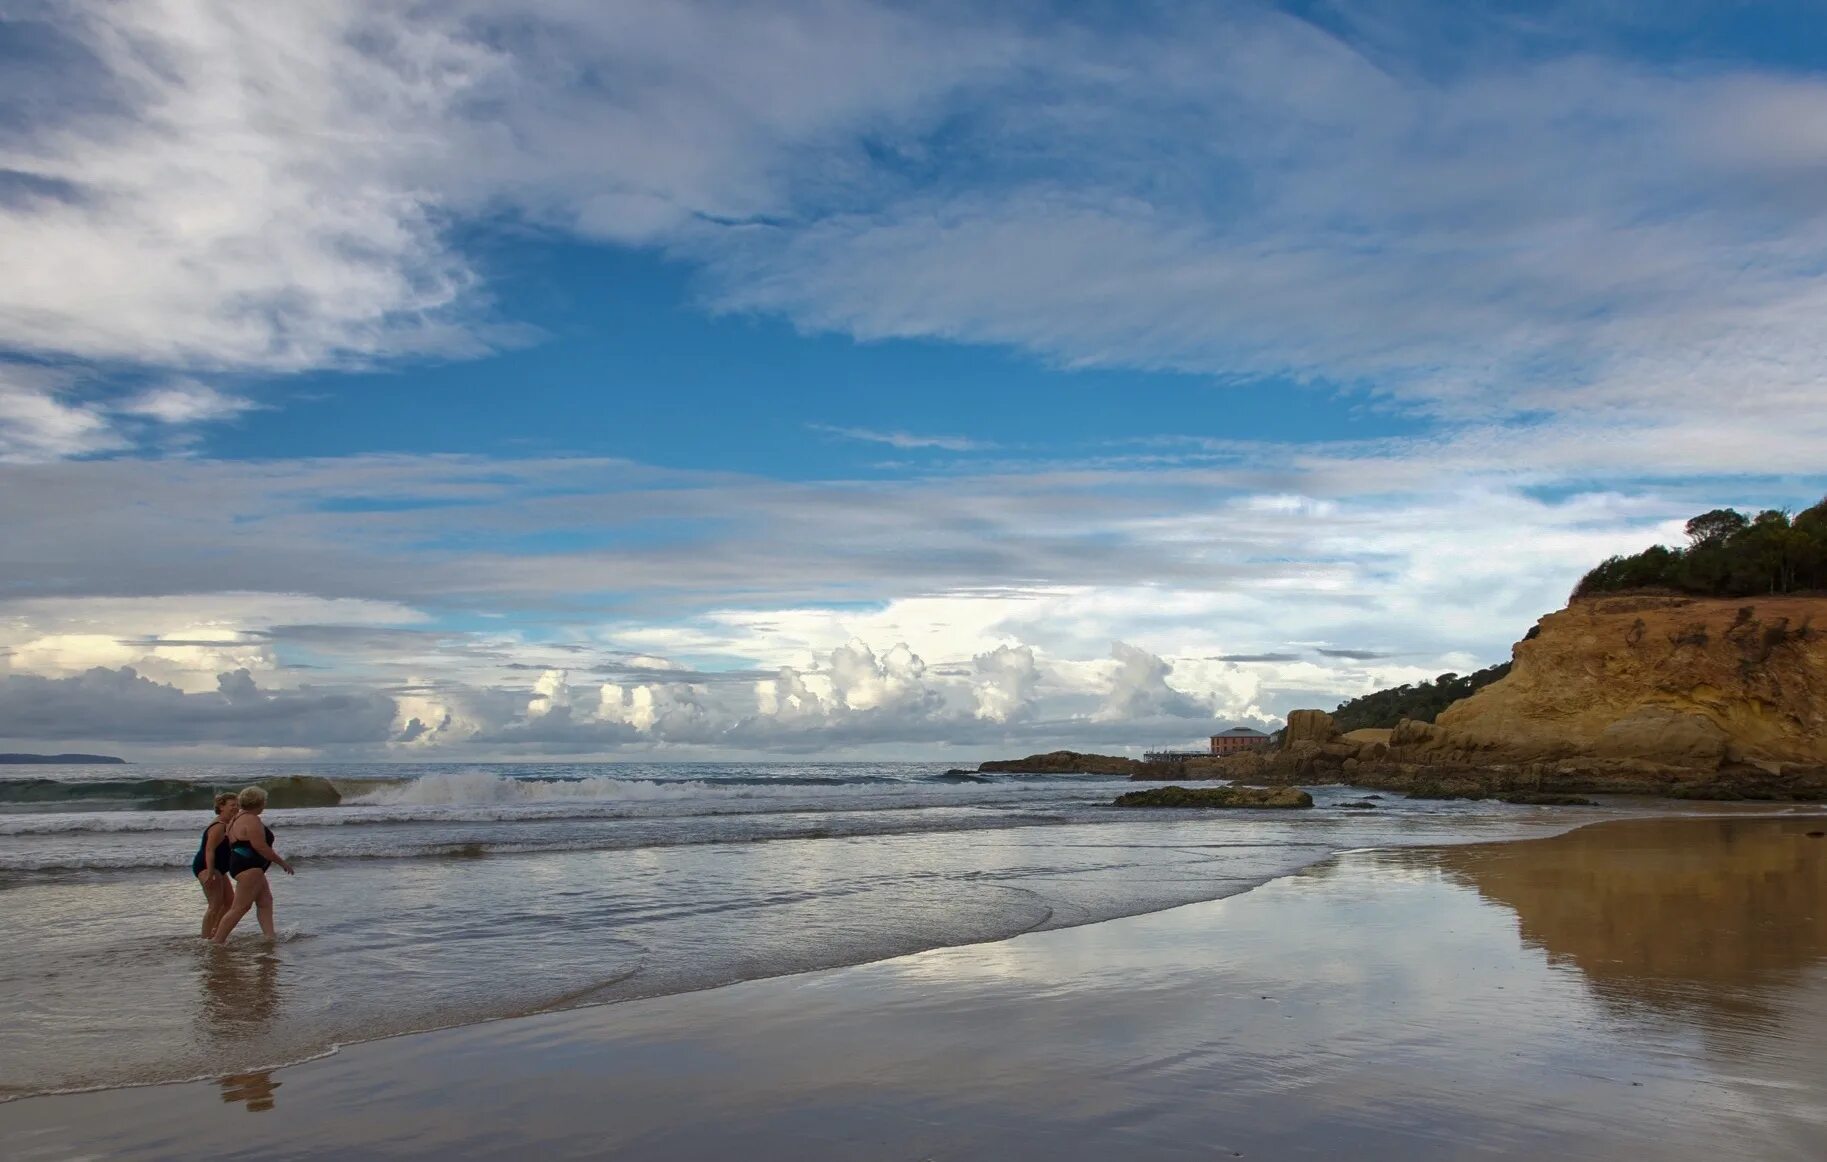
point(1239, 738)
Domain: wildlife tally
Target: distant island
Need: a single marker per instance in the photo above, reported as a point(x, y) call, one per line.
point(53, 759)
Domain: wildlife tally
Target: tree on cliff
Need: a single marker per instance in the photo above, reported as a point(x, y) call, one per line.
point(1420, 701)
point(1728, 555)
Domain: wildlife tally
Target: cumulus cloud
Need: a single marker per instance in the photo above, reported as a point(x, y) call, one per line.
point(1139, 689)
point(1006, 681)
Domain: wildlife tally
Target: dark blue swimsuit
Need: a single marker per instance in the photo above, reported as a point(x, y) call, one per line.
point(242, 856)
point(200, 861)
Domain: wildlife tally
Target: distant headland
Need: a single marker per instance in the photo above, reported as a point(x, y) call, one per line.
point(27, 760)
point(1693, 673)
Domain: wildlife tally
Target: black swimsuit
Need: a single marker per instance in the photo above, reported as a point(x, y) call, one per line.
point(242, 855)
point(200, 861)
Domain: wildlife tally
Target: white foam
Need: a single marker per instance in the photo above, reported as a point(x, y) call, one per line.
point(484, 788)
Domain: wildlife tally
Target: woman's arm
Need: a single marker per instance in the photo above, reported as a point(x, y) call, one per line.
point(258, 842)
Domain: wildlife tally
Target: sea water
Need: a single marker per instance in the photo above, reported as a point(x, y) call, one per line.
point(433, 895)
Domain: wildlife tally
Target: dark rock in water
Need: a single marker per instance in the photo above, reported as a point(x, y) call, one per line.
point(1449, 789)
point(957, 776)
point(1064, 762)
point(301, 791)
point(66, 759)
point(1548, 799)
point(1361, 804)
point(1217, 797)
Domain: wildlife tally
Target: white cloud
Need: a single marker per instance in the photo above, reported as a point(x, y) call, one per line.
point(1609, 245)
point(1006, 680)
point(38, 423)
point(185, 641)
point(1139, 689)
point(905, 439)
point(185, 402)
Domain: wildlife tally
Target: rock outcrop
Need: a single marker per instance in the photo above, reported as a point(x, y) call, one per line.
point(1064, 762)
point(1689, 697)
point(1313, 726)
point(1280, 797)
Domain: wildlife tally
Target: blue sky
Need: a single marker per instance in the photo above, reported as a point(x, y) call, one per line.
point(719, 379)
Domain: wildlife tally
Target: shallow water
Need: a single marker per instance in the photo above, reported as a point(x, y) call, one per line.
point(437, 896)
point(1636, 990)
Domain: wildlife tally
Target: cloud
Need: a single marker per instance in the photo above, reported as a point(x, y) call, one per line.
point(1513, 229)
point(209, 188)
point(1139, 689)
point(39, 422)
point(1006, 681)
point(185, 402)
point(1354, 655)
point(119, 705)
point(905, 439)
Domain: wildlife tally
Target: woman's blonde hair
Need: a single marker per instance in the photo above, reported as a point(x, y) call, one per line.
point(252, 798)
point(225, 798)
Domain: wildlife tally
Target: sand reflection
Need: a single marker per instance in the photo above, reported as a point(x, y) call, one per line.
point(255, 1090)
point(239, 993)
point(1705, 919)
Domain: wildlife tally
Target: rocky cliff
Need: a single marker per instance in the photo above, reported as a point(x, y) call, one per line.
point(1694, 697)
point(1686, 682)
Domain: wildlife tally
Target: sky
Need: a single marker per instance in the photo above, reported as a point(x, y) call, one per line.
point(703, 379)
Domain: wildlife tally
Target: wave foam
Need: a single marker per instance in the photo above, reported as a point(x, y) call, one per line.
point(484, 788)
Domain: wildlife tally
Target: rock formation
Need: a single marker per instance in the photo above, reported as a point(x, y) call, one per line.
point(1284, 797)
point(1064, 762)
point(1692, 697)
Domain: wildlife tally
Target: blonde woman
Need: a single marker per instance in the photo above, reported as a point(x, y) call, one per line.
point(210, 864)
point(250, 853)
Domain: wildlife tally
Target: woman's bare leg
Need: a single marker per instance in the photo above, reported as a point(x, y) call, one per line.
point(212, 911)
point(263, 906)
point(248, 886)
point(219, 893)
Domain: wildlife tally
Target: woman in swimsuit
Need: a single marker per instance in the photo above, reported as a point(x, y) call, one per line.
point(250, 853)
point(210, 864)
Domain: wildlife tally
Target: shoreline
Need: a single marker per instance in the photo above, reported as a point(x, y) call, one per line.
point(235, 959)
point(1148, 969)
point(572, 1002)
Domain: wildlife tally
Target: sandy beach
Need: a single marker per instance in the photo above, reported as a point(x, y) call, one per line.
point(1644, 989)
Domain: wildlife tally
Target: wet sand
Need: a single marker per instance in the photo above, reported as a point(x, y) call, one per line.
point(1637, 989)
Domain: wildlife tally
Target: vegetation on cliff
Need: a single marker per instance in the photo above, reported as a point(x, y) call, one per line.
point(1728, 554)
point(1420, 701)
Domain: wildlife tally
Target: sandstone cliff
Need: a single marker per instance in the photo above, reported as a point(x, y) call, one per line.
point(1693, 697)
point(1682, 681)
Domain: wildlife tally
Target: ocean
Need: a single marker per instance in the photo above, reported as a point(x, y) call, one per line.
point(437, 895)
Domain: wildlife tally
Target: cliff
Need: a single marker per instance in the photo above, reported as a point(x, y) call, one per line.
point(1693, 697)
point(1683, 681)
